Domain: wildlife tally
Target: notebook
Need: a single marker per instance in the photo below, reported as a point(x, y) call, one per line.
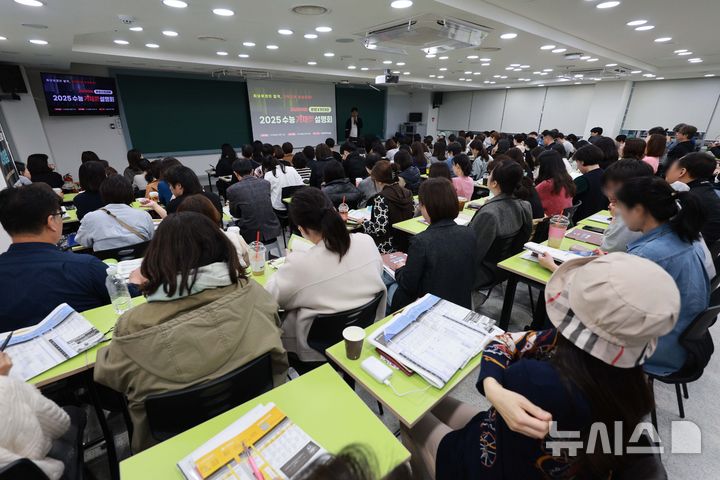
point(600, 218)
point(585, 236)
point(559, 256)
point(393, 261)
point(361, 215)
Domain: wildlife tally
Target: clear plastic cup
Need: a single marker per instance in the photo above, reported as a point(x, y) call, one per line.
point(154, 196)
point(558, 226)
point(257, 258)
point(343, 210)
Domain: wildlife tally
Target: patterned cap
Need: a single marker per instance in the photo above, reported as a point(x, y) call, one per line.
point(614, 307)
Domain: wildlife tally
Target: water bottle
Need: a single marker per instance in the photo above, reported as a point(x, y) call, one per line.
point(118, 291)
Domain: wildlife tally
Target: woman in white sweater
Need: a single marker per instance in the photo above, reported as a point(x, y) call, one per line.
point(339, 273)
point(29, 423)
point(280, 176)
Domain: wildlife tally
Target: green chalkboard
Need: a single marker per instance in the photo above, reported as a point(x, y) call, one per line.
point(371, 106)
point(167, 114)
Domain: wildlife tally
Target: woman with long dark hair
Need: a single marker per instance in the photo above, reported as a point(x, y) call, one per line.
point(418, 155)
point(481, 158)
point(134, 168)
point(393, 204)
point(280, 176)
point(340, 272)
point(227, 157)
point(554, 184)
point(92, 175)
point(438, 152)
point(40, 171)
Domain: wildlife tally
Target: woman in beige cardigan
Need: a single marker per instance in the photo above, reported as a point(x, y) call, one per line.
point(340, 272)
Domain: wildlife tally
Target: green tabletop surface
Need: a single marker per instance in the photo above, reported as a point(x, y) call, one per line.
point(586, 221)
point(69, 197)
point(410, 408)
point(416, 225)
point(71, 216)
point(320, 402)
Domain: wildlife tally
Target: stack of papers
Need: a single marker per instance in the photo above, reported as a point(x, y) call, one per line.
point(393, 261)
point(62, 335)
point(279, 448)
point(126, 267)
point(600, 218)
point(435, 338)
point(299, 244)
point(559, 256)
point(361, 215)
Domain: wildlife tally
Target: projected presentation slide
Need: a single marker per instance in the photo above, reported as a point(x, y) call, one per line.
point(300, 113)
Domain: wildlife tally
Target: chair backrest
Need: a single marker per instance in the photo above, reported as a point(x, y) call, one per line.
point(542, 230)
point(288, 192)
point(326, 330)
point(698, 343)
point(715, 254)
point(570, 211)
point(24, 469)
point(123, 253)
point(175, 412)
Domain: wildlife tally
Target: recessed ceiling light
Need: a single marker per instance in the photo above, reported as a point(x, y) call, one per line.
point(517, 69)
point(541, 85)
point(592, 59)
point(400, 64)
point(544, 73)
point(607, 5)
point(175, 3)
point(222, 54)
point(430, 55)
point(709, 75)
point(395, 72)
point(243, 55)
point(547, 69)
point(645, 28)
point(635, 23)
point(432, 75)
point(387, 62)
point(469, 72)
point(524, 66)
point(648, 75)
point(695, 60)
point(30, 3)
point(310, 36)
point(477, 73)
point(312, 62)
point(548, 47)
point(136, 29)
point(152, 45)
point(462, 79)
point(682, 54)
point(611, 65)
point(485, 59)
point(3, 38)
point(663, 39)
point(578, 83)
point(486, 81)
point(271, 47)
point(509, 68)
point(248, 44)
point(468, 79)
point(441, 76)
point(485, 64)
point(169, 33)
point(496, 76)
point(351, 67)
point(364, 69)
point(121, 42)
point(401, 4)
point(443, 69)
point(444, 57)
point(681, 50)
point(508, 36)
point(537, 73)
point(660, 78)
point(508, 87)
point(636, 71)
point(223, 12)
point(38, 42)
point(406, 73)
point(472, 57)
point(285, 31)
point(514, 64)
point(323, 29)
point(503, 77)
point(559, 50)
point(330, 54)
point(585, 57)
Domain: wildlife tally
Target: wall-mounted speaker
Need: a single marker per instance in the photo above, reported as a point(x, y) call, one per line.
point(11, 79)
point(437, 99)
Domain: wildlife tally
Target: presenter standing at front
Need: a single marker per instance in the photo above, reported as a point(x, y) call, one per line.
point(353, 125)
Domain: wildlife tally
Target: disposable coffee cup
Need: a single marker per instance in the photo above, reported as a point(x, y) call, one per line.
point(155, 196)
point(354, 337)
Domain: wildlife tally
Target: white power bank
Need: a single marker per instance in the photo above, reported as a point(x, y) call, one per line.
point(376, 369)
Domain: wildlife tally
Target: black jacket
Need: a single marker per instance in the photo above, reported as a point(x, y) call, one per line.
point(355, 166)
point(317, 171)
point(710, 203)
point(589, 192)
point(54, 179)
point(412, 178)
point(86, 202)
point(348, 125)
point(224, 167)
point(342, 188)
point(441, 261)
point(678, 151)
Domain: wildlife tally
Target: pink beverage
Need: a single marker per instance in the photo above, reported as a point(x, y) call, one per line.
point(558, 227)
point(343, 210)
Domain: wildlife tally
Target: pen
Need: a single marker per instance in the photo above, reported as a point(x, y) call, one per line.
point(256, 473)
point(6, 341)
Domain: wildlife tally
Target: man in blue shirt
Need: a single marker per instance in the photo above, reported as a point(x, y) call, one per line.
point(453, 149)
point(36, 277)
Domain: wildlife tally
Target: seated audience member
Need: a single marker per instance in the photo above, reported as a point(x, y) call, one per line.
point(354, 462)
point(89, 156)
point(595, 134)
point(441, 260)
point(684, 144)
point(634, 148)
point(163, 188)
point(586, 370)
point(133, 158)
point(287, 149)
point(340, 272)
point(655, 150)
point(300, 164)
point(353, 163)
point(367, 186)
point(696, 171)
point(589, 188)
point(337, 186)
point(503, 216)
point(279, 154)
point(462, 181)
point(480, 159)
point(24, 174)
point(454, 148)
point(323, 154)
point(41, 172)
point(227, 157)
point(610, 151)
point(279, 176)
point(116, 224)
point(617, 236)
point(36, 277)
point(419, 159)
point(620, 143)
point(391, 205)
point(250, 203)
point(183, 182)
point(670, 222)
point(201, 308)
point(391, 148)
point(330, 142)
point(152, 177)
point(554, 184)
point(527, 190)
point(379, 150)
point(309, 153)
point(409, 175)
point(439, 170)
point(139, 181)
point(438, 153)
point(200, 204)
point(92, 176)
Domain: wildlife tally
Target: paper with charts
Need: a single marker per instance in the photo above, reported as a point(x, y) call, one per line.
point(62, 335)
point(435, 338)
point(279, 447)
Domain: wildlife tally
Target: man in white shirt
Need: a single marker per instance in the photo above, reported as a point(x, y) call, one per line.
point(353, 125)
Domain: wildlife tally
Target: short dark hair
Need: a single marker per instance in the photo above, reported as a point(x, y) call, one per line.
point(597, 130)
point(455, 148)
point(657, 130)
point(403, 160)
point(153, 172)
point(379, 149)
point(634, 148)
point(609, 148)
point(384, 172)
point(439, 170)
point(247, 150)
point(309, 153)
point(439, 198)
point(347, 147)
point(688, 130)
point(330, 142)
point(656, 144)
point(621, 138)
point(463, 162)
point(677, 127)
point(133, 158)
point(91, 175)
point(353, 109)
point(322, 151)
point(333, 171)
point(184, 176)
point(184, 242)
point(117, 189)
point(299, 160)
point(371, 159)
point(589, 155)
point(623, 170)
point(167, 164)
point(287, 148)
point(508, 174)
point(200, 204)
point(242, 166)
point(311, 209)
point(37, 164)
point(25, 210)
point(698, 164)
point(89, 156)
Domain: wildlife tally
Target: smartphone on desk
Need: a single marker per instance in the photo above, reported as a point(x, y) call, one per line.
point(590, 228)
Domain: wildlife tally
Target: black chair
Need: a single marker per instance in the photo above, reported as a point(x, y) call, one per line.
point(175, 412)
point(570, 212)
point(123, 253)
point(715, 255)
point(284, 217)
point(698, 343)
point(23, 469)
point(501, 249)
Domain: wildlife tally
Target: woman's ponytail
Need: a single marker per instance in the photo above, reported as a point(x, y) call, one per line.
point(312, 210)
point(690, 217)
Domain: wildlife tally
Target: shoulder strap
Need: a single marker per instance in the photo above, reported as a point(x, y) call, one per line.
point(125, 225)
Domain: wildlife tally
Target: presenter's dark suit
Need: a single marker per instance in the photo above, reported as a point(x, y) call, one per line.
point(348, 127)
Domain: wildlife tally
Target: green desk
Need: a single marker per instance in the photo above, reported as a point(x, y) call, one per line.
point(71, 216)
point(416, 225)
point(586, 221)
point(69, 197)
point(410, 408)
point(320, 402)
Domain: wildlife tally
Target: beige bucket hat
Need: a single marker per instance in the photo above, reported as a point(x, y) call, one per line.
point(614, 307)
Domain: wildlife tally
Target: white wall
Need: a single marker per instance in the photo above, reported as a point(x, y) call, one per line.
point(523, 108)
point(487, 110)
point(454, 113)
point(607, 110)
point(567, 108)
point(401, 102)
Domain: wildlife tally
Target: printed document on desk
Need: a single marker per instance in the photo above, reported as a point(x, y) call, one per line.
point(279, 447)
point(62, 335)
point(435, 338)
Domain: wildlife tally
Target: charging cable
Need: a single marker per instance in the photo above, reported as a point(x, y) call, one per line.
point(419, 390)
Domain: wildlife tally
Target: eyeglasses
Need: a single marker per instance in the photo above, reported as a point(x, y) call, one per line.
point(56, 214)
